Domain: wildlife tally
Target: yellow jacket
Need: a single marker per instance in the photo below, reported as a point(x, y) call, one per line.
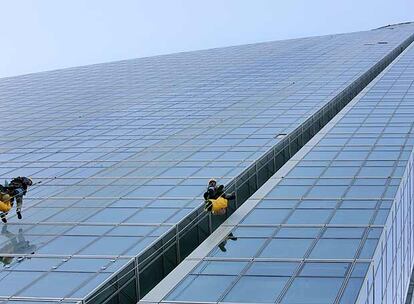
point(5, 204)
point(218, 204)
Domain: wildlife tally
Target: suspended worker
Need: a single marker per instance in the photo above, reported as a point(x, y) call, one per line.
point(216, 201)
point(16, 189)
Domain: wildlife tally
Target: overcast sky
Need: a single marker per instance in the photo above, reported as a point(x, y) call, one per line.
point(40, 35)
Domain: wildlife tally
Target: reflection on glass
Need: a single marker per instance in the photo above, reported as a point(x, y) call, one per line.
point(16, 244)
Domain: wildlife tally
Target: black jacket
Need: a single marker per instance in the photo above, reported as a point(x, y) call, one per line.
point(18, 183)
point(216, 192)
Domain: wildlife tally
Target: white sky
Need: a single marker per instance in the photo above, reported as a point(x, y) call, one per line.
point(40, 35)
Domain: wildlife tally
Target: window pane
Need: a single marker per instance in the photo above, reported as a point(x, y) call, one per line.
point(266, 216)
point(220, 267)
point(335, 249)
point(313, 291)
point(351, 291)
point(58, 284)
point(324, 269)
point(352, 217)
point(286, 248)
point(309, 216)
point(256, 289)
point(273, 268)
point(201, 288)
point(240, 248)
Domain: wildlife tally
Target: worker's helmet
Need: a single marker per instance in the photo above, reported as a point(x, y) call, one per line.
point(212, 182)
point(27, 181)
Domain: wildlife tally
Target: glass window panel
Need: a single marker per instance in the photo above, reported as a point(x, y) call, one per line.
point(219, 267)
point(351, 155)
point(142, 243)
point(201, 288)
point(149, 191)
point(320, 204)
point(37, 264)
point(66, 245)
point(11, 282)
point(110, 245)
point(185, 191)
point(320, 155)
point(256, 289)
point(368, 249)
point(333, 182)
point(374, 233)
point(296, 182)
point(381, 217)
point(335, 249)
point(180, 214)
point(242, 248)
point(352, 217)
point(89, 230)
point(306, 171)
point(309, 216)
point(365, 191)
point(266, 216)
point(340, 171)
point(56, 284)
point(313, 290)
point(347, 233)
point(180, 172)
point(298, 232)
point(324, 270)
point(273, 268)
point(359, 204)
point(273, 203)
point(72, 215)
point(286, 248)
point(112, 215)
point(90, 285)
point(360, 270)
point(351, 290)
point(288, 191)
point(132, 230)
point(87, 265)
point(327, 191)
point(254, 231)
point(376, 171)
point(154, 215)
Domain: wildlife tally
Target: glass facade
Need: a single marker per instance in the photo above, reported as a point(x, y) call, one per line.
point(124, 151)
point(334, 225)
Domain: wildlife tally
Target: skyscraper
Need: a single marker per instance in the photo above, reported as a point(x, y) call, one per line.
point(125, 150)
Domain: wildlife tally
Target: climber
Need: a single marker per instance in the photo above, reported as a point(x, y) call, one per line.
point(16, 189)
point(216, 201)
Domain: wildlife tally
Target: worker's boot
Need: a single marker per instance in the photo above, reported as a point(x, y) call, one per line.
point(232, 237)
point(19, 215)
point(222, 246)
point(3, 219)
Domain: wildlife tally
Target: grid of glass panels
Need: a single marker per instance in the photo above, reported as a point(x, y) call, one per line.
point(125, 149)
point(312, 237)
